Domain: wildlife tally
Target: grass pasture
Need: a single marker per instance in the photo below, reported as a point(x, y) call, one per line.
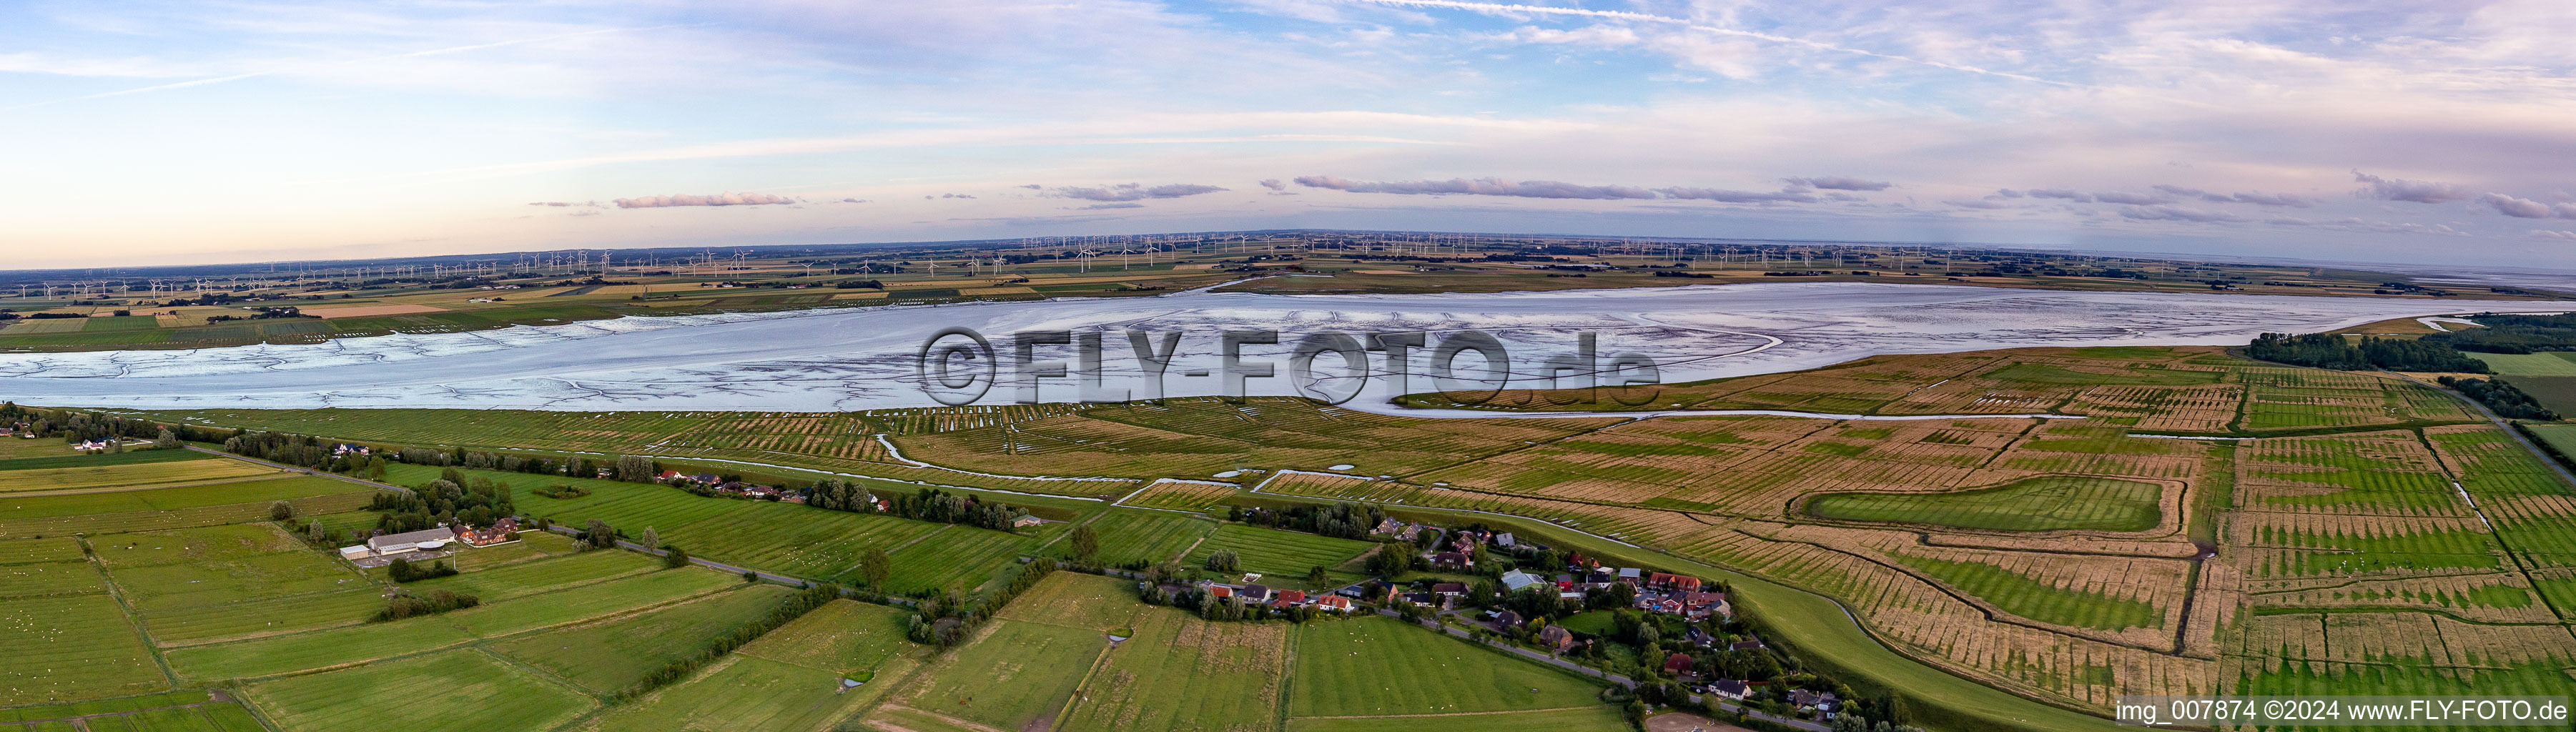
point(463, 689)
point(611, 655)
point(1128, 535)
point(1281, 557)
point(2546, 363)
point(218, 581)
point(1016, 674)
point(2020, 595)
point(2048, 503)
point(128, 475)
point(289, 653)
point(789, 680)
point(1075, 600)
point(780, 537)
point(1182, 673)
point(1595, 718)
point(1375, 666)
point(72, 648)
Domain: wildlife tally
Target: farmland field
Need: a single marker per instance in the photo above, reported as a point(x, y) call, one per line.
point(462, 689)
point(789, 680)
point(193, 584)
point(2036, 504)
point(1281, 557)
point(1375, 666)
point(1074, 600)
point(611, 655)
point(282, 654)
point(1128, 535)
point(1016, 674)
point(1594, 718)
point(1182, 673)
point(99, 477)
point(72, 648)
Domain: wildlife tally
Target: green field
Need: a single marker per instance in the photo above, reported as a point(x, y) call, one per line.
point(217, 581)
point(72, 648)
point(175, 518)
point(2048, 503)
point(789, 680)
point(457, 690)
point(96, 477)
point(1594, 718)
point(780, 537)
point(1375, 666)
point(1281, 557)
point(281, 654)
point(609, 656)
point(178, 711)
point(2546, 363)
point(1075, 600)
point(68, 459)
point(1182, 673)
point(1016, 674)
point(173, 499)
point(2020, 595)
point(1129, 535)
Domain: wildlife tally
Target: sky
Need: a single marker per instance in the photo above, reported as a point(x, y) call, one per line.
point(144, 133)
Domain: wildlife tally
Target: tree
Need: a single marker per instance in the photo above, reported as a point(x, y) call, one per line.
point(650, 539)
point(1318, 576)
point(1223, 561)
point(875, 567)
point(167, 440)
point(674, 557)
point(1086, 542)
point(597, 535)
point(1849, 722)
point(634, 469)
point(750, 576)
point(280, 511)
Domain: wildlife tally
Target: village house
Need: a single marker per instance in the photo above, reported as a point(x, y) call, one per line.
point(1387, 526)
point(1254, 594)
point(1751, 645)
point(1677, 664)
point(1514, 580)
point(1664, 581)
point(1506, 619)
point(498, 533)
point(1630, 575)
point(1503, 540)
point(1697, 605)
point(1452, 560)
point(1730, 689)
point(1449, 589)
point(1025, 521)
point(1822, 702)
point(1555, 638)
point(1335, 603)
point(1288, 599)
point(1220, 592)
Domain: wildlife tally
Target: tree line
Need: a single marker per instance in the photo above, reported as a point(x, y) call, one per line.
point(927, 504)
point(2513, 334)
point(2330, 351)
point(2507, 401)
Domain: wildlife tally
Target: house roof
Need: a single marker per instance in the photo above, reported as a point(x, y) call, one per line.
point(412, 537)
point(1517, 579)
point(1555, 633)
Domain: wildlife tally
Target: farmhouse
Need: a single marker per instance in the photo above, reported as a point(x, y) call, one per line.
point(1335, 603)
point(498, 533)
point(1672, 581)
point(1677, 664)
point(1730, 689)
point(391, 544)
point(1556, 638)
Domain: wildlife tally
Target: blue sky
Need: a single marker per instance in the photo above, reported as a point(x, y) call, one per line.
point(190, 132)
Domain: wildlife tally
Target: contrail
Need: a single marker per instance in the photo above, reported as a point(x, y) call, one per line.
point(1669, 20)
point(271, 72)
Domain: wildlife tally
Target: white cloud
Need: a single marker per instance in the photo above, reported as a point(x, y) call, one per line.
point(720, 199)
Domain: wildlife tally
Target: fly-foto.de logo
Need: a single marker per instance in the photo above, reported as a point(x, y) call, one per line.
point(959, 366)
